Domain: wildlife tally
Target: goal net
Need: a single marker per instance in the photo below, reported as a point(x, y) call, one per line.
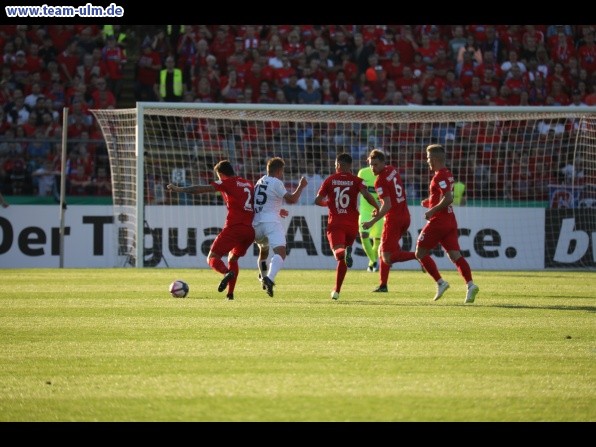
point(529, 175)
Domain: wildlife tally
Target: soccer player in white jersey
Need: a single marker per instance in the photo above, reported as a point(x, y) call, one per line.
point(270, 194)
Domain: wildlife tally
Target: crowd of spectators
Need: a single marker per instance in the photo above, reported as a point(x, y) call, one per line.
point(46, 68)
point(371, 64)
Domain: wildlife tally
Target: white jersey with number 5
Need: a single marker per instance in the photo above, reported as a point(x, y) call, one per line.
point(269, 198)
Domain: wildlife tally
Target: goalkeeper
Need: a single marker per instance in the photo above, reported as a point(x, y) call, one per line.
point(370, 239)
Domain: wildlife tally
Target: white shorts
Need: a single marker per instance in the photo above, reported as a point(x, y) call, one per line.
point(270, 234)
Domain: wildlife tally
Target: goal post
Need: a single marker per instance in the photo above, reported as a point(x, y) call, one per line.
point(529, 176)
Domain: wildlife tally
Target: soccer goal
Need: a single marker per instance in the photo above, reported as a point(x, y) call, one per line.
point(528, 176)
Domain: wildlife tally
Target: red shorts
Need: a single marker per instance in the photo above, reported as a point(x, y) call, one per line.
point(342, 235)
point(236, 239)
point(393, 230)
point(438, 232)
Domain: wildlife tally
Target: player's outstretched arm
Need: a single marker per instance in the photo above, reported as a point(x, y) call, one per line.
point(194, 189)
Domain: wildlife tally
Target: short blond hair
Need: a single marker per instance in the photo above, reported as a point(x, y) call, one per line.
point(274, 165)
point(436, 150)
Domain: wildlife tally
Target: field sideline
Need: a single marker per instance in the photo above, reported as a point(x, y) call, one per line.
point(113, 345)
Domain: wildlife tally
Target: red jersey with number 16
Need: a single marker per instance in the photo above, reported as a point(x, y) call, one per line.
point(441, 183)
point(389, 186)
point(238, 194)
point(341, 190)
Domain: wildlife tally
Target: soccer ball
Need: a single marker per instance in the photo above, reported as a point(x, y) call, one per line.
point(179, 289)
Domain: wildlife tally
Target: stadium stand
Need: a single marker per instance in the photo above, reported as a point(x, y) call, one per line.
point(47, 67)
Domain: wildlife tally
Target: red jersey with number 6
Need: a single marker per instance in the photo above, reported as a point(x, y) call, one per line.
point(389, 186)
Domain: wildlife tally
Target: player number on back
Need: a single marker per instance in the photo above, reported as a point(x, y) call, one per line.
point(342, 199)
point(248, 203)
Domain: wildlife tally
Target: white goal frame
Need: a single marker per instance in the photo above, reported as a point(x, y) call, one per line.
point(322, 113)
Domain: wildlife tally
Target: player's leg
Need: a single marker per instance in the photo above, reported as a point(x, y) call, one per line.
point(375, 232)
point(222, 242)
point(231, 282)
point(451, 245)
point(341, 240)
point(263, 245)
point(388, 245)
point(397, 254)
point(245, 237)
point(366, 241)
point(428, 238)
point(277, 241)
point(220, 247)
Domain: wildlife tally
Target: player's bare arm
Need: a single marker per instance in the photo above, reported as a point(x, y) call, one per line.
point(378, 215)
point(321, 200)
point(446, 200)
point(293, 197)
point(195, 189)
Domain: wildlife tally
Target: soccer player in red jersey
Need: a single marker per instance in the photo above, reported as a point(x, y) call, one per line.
point(339, 192)
point(238, 233)
point(391, 191)
point(441, 227)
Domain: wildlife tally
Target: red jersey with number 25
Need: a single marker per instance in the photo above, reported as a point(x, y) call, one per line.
point(441, 183)
point(238, 194)
point(389, 186)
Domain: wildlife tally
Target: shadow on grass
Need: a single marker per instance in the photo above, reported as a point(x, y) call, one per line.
point(483, 305)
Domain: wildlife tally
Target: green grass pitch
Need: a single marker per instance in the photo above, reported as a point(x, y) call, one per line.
point(113, 345)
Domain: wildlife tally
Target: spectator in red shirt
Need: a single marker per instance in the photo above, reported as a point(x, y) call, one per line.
point(34, 61)
point(406, 82)
point(561, 47)
point(557, 92)
point(80, 183)
point(60, 35)
point(114, 57)
point(586, 53)
point(149, 65)
point(89, 68)
point(222, 47)
point(405, 44)
point(204, 92)
point(231, 86)
point(590, 98)
point(199, 59)
point(515, 82)
point(20, 70)
point(102, 97)
point(394, 67)
point(282, 74)
point(68, 60)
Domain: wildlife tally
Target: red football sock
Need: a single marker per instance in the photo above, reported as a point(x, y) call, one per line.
point(431, 268)
point(218, 265)
point(233, 266)
point(340, 274)
point(384, 271)
point(464, 269)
